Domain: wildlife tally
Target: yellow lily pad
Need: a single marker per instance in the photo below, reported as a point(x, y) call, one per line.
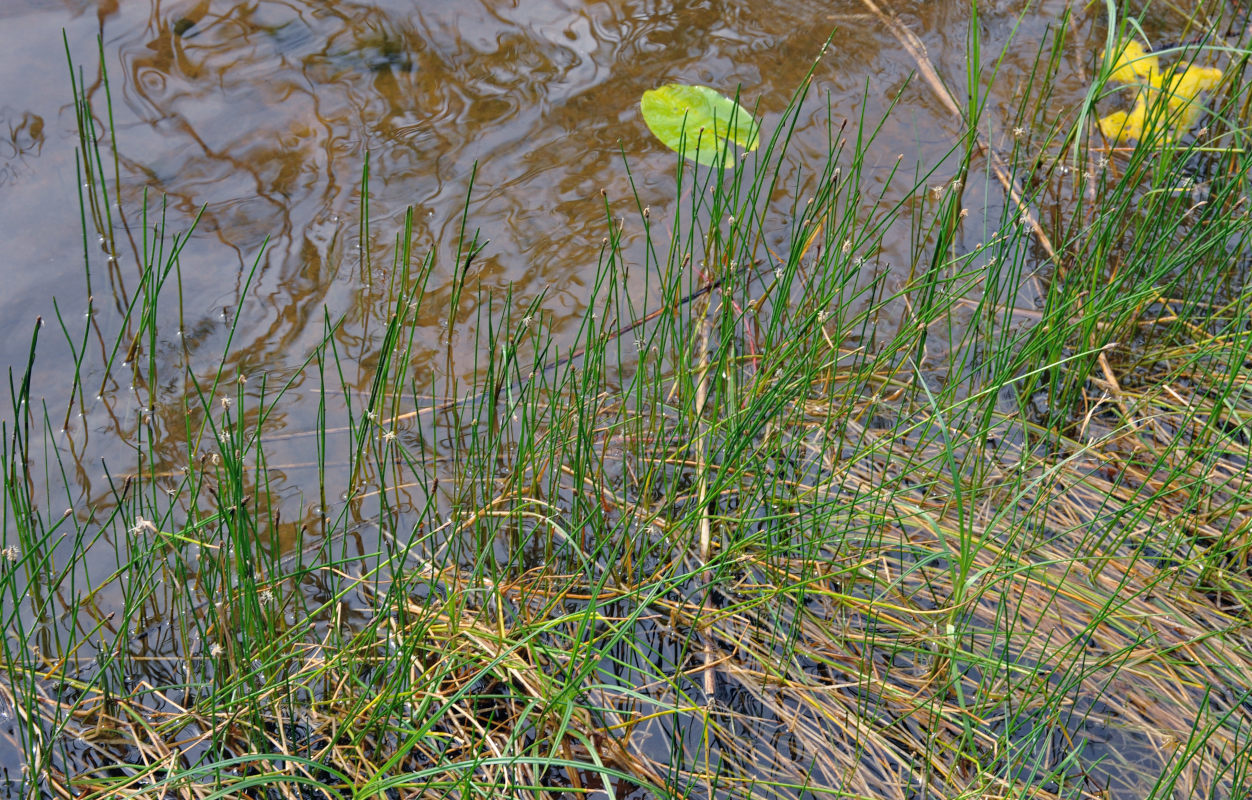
point(1182, 91)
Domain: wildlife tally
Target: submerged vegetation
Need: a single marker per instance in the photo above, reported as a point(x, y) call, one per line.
point(767, 524)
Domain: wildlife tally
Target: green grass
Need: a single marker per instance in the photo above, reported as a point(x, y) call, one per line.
point(772, 527)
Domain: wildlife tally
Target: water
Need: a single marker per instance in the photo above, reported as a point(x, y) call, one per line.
point(262, 114)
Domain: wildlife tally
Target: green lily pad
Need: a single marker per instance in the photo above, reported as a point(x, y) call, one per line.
point(707, 120)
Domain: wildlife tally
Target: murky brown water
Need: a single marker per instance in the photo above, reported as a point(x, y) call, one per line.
point(263, 112)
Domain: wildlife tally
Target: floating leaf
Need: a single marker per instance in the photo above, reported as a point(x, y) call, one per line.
point(1181, 88)
point(698, 122)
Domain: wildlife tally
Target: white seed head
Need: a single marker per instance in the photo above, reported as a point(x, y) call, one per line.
point(142, 526)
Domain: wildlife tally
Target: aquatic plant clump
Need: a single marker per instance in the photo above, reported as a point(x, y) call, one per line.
point(751, 531)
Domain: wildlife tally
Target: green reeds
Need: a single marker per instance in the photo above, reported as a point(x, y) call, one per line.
point(771, 521)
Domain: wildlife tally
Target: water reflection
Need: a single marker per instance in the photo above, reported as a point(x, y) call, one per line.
point(264, 113)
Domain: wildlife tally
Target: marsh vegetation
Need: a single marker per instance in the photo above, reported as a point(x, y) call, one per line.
point(771, 519)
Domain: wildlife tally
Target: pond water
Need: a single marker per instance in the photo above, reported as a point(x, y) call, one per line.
point(262, 113)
